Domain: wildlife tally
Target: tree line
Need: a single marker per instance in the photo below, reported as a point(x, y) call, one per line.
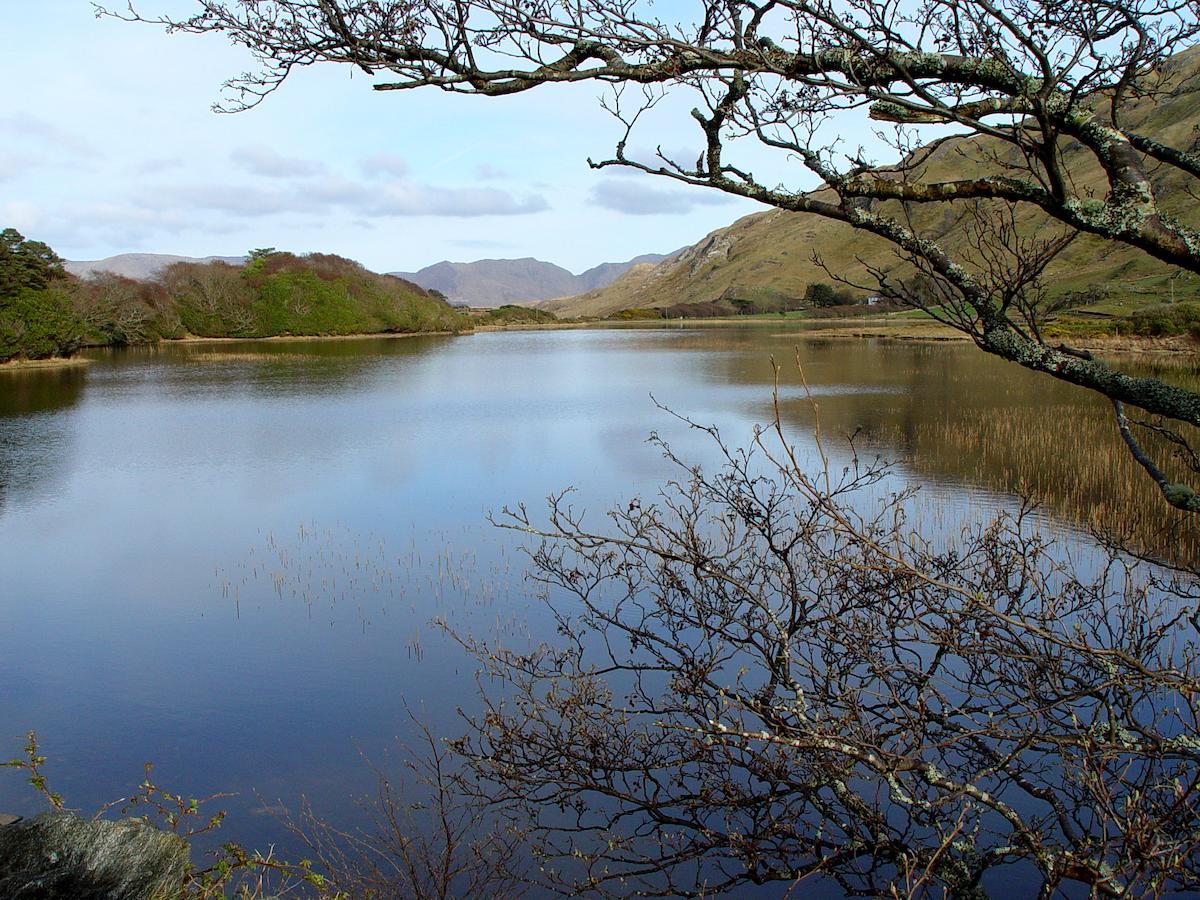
point(45, 312)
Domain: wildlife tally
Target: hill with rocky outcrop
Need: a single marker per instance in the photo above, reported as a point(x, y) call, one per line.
point(771, 257)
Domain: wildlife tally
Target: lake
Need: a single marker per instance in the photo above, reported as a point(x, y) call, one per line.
point(227, 558)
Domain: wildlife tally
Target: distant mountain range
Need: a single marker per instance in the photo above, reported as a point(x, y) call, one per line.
point(486, 282)
point(139, 266)
point(495, 282)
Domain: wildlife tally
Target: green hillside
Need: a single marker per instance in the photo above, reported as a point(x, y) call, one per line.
point(283, 294)
point(767, 258)
point(46, 312)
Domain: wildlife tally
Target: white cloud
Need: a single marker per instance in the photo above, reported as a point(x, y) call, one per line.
point(636, 198)
point(225, 198)
point(410, 199)
point(488, 172)
point(14, 165)
point(70, 229)
point(324, 196)
point(24, 217)
point(158, 164)
point(23, 127)
point(266, 163)
point(385, 164)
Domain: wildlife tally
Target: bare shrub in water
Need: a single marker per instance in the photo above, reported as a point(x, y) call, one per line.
point(430, 835)
point(769, 676)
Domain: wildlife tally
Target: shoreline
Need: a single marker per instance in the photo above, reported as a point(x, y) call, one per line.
point(286, 338)
point(862, 328)
point(52, 362)
point(533, 326)
point(925, 331)
point(934, 333)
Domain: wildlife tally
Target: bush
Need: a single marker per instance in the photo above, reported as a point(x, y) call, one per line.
point(1161, 321)
point(821, 294)
point(36, 324)
point(37, 319)
point(283, 294)
point(212, 299)
point(273, 294)
point(638, 312)
point(517, 315)
point(120, 311)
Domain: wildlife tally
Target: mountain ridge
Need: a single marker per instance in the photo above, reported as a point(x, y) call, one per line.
point(524, 281)
point(771, 257)
point(139, 266)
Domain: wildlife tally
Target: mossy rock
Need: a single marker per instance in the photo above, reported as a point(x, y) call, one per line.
point(58, 856)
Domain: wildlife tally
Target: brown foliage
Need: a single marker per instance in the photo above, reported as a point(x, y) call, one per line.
point(124, 311)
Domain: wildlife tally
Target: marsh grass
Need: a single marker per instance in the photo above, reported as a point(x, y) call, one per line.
point(246, 356)
point(1079, 471)
point(346, 578)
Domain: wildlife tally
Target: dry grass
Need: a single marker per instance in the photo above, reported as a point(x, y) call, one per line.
point(54, 362)
point(1082, 474)
point(245, 356)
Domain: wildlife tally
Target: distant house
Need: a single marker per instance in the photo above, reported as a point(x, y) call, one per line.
point(874, 299)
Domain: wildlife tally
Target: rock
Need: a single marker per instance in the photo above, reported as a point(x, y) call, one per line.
point(8, 819)
point(58, 856)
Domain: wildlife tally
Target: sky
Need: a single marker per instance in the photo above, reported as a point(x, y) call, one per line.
point(108, 144)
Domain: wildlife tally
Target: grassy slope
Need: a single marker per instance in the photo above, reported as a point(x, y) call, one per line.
point(288, 295)
point(770, 254)
point(304, 304)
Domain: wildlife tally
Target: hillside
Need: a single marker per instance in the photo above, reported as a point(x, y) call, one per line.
point(44, 312)
point(284, 294)
point(500, 282)
point(139, 266)
point(767, 257)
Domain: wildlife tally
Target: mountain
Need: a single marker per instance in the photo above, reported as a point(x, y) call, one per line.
point(139, 266)
point(767, 257)
point(496, 282)
point(606, 273)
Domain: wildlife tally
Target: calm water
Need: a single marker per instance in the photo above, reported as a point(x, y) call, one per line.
point(226, 558)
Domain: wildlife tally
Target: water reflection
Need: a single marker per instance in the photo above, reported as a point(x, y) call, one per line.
point(148, 502)
point(35, 439)
point(960, 417)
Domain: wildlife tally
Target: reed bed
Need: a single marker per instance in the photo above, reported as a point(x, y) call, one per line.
point(1072, 462)
point(244, 356)
point(339, 577)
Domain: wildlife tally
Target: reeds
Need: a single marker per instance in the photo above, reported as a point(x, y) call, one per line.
point(1071, 461)
point(345, 578)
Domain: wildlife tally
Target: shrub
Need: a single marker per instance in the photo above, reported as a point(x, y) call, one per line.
point(517, 315)
point(1163, 320)
point(821, 294)
point(39, 324)
point(639, 312)
point(120, 311)
point(212, 299)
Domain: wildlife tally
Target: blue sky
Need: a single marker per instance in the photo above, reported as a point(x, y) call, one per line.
point(108, 145)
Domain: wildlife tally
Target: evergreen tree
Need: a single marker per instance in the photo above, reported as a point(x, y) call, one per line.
point(26, 264)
